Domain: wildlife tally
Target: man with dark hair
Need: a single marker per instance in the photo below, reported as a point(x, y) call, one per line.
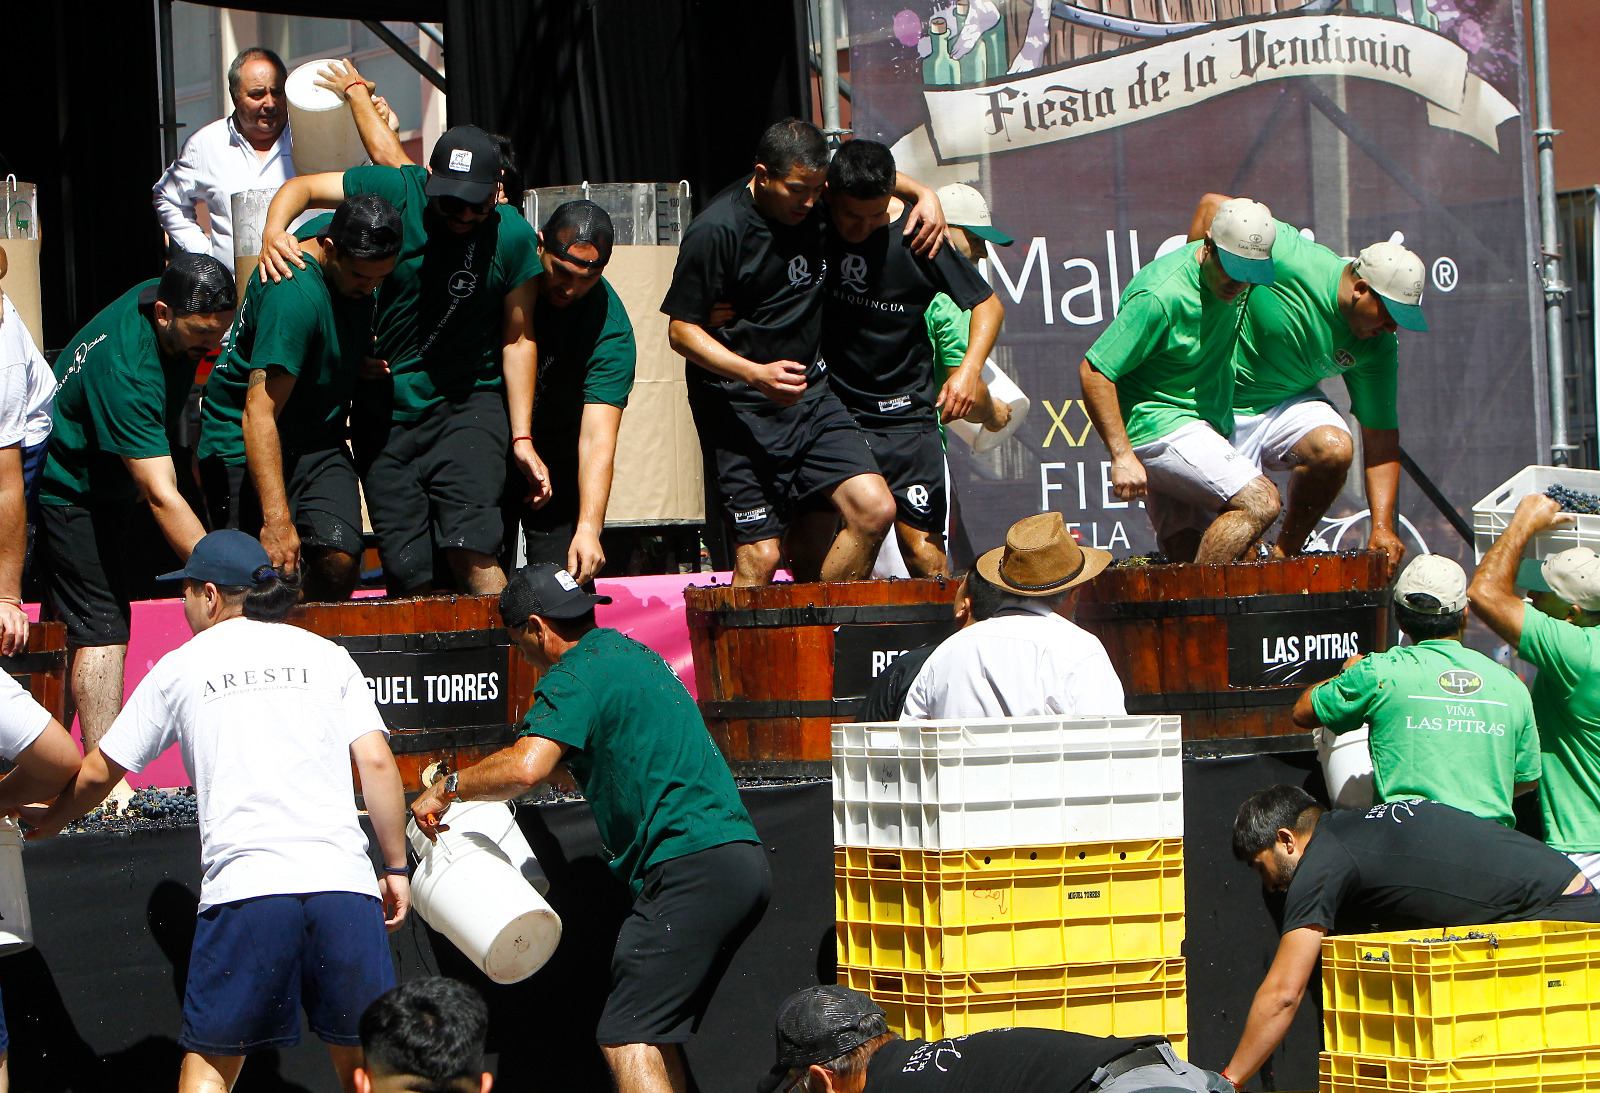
point(270, 718)
point(425, 1036)
point(1398, 866)
point(773, 430)
point(875, 340)
point(977, 599)
point(586, 362)
point(274, 460)
point(454, 337)
point(664, 801)
point(1445, 722)
point(121, 385)
point(832, 1039)
point(247, 150)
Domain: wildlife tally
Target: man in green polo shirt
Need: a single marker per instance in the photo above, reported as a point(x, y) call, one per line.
point(665, 804)
point(1158, 386)
point(274, 461)
point(1445, 722)
point(121, 385)
point(1324, 316)
point(1556, 634)
point(586, 364)
point(454, 326)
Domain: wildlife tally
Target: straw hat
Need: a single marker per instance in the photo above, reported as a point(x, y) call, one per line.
point(1040, 558)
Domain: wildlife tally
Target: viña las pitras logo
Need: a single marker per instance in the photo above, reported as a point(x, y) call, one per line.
point(1461, 682)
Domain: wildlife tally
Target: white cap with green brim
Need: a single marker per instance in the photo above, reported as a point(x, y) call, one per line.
point(1243, 232)
point(964, 207)
point(1395, 274)
point(1573, 576)
point(1435, 578)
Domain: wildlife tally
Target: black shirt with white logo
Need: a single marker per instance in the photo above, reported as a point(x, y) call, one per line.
point(772, 276)
point(1420, 864)
point(874, 335)
point(1007, 1060)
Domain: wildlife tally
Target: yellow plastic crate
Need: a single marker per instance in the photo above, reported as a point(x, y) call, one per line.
point(1518, 987)
point(978, 910)
point(1137, 998)
point(1528, 1072)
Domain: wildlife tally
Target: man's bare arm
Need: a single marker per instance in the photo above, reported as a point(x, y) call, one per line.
point(519, 361)
point(1380, 455)
point(1128, 478)
point(508, 773)
point(381, 142)
point(13, 551)
point(963, 391)
point(597, 453)
point(1493, 591)
point(280, 251)
point(1276, 1001)
point(264, 400)
point(157, 479)
point(781, 381)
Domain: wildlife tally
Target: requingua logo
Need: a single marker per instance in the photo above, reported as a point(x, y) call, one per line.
point(1459, 681)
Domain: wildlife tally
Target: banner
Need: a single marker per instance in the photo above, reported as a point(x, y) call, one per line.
point(1094, 128)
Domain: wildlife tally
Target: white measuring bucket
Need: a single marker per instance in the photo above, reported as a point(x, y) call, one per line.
point(1002, 389)
point(1346, 767)
point(325, 133)
point(473, 892)
point(16, 923)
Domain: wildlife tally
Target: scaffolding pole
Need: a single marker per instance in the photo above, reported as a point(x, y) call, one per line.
point(1550, 241)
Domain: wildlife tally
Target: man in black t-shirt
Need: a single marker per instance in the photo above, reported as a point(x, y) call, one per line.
point(875, 340)
point(835, 1040)
point(757, 386)
point(1403, 865)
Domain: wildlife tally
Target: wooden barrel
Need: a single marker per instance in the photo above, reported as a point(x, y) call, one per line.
point(42, 667)
point(448, 681)
point(1230, 647)
point(776, 666)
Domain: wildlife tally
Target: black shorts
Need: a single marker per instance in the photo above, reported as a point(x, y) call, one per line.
point(324, 498)
point(687, 923)
point(87, 576)
point(768, 463)
point(435, 483)
point(913, 465)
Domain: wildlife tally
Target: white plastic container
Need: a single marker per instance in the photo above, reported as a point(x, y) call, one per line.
point(964, 785)
point(1003, 389)
point(468, 888)
point(1492, 515)
point(498, 824)
point(249, 211)
point(324, 131)
point(16, 923)
point(1346, 767)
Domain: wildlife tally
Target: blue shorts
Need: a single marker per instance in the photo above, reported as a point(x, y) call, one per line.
point(5, 1037)
point(255, 962)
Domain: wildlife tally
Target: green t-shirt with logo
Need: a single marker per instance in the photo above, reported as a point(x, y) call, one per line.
point(1566, 699)
point(440, 314)
point(949, 330)
point(586, 355)
point(1294, 337)
point(1446, 724)
point(302, 327)
point(1170, 349)
point(640, 752)
point(117, 396)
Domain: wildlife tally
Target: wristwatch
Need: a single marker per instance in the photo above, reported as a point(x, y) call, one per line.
point(450, 784)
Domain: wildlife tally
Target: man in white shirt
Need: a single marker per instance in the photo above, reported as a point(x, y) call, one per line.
point(1029, 659)
point(269, 718)
point(249, 149)
point(27, 387)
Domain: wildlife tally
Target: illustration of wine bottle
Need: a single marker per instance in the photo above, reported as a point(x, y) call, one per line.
point(939, 67)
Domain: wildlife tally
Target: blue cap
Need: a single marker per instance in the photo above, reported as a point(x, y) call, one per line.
point(231, 559)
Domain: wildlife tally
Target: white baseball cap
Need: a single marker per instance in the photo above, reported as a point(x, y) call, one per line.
point(1434, 576)
point(964, 207)
point(1243, 232)
point(1395, 274)
point(1573, 575)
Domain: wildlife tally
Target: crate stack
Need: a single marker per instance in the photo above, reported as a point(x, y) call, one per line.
point(1013, 872)
point(1509, 1008)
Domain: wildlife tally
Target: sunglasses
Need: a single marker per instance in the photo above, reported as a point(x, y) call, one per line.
point(454, 206)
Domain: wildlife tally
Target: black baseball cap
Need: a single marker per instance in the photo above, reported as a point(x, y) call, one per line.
point(818, 1024)
point(466, 164)
point(545, 589)
point(228, 558)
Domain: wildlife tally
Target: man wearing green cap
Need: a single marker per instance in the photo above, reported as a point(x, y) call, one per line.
point(1158, 385)
point(1555, 633)
point(1324, 316)
point(949, 327)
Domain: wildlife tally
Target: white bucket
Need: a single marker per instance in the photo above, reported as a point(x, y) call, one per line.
point(1002, 389)
point(249, 209)
point(325, 133)
point(1346, 767)
point(16, 923)
point(468, 888)
point(498, 823)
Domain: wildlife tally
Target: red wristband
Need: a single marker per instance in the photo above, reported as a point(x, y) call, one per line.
point(353, 83)
point(514, 439)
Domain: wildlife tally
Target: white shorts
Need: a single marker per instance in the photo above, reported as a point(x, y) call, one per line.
point(1267, 440)
point(1588, 864)
point(1192, 472)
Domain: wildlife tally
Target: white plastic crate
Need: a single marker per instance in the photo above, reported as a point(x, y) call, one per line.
point(1492, 515)
point(963, 785)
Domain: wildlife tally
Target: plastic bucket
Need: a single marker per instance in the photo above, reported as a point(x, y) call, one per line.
point(16, 923)
point(468, 888)
point(1346, 767)
point(498, 824)
point(1002, 389)
point(325, 133)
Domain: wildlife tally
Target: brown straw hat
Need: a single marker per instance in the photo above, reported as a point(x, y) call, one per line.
point(1040, 558)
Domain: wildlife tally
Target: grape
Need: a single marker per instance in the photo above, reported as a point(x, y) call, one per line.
point(1571, 500)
